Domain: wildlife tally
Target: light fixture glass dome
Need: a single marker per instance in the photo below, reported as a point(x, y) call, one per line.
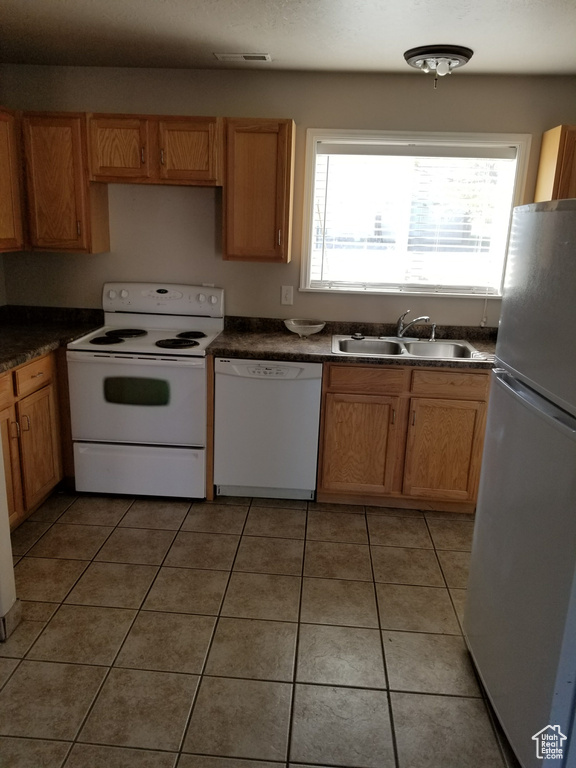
point(440, 59)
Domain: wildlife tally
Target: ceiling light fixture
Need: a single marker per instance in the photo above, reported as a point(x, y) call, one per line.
point(440, 59)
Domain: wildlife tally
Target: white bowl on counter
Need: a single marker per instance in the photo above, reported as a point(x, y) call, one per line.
point(304, 327)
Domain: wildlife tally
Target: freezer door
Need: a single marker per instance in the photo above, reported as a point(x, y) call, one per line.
point(539, 307)
point(521, 608)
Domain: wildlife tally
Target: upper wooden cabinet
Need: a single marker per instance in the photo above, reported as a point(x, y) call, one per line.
point(11, 237)
point(258, 190)
point(557, 170)
point(65, 212)
point(157, 150)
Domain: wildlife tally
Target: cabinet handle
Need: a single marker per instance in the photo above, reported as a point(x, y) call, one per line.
point(413, 418)
point(27, 427)
point(279, 237)
point(393, 416)
point(161, 157)
point(37, 375)
point(142, 155)
point(15, 424)
point(78, 228)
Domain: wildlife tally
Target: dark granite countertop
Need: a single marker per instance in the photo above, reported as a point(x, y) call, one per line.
point(256, 339)
point(28, 332)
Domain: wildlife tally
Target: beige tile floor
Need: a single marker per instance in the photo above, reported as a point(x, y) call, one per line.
point(241, 634)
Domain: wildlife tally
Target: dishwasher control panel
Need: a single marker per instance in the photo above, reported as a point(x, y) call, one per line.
point(252, 369)
point(265, 371)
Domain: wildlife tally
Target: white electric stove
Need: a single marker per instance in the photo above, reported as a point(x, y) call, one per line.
point(138, 390)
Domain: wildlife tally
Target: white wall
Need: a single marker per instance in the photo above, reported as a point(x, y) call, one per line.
point(173, 234)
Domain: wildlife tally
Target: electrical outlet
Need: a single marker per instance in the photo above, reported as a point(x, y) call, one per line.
point(287, 294)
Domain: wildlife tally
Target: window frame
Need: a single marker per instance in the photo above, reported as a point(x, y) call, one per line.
point(521, 141)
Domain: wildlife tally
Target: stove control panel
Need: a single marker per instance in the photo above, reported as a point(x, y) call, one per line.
point(160, 298)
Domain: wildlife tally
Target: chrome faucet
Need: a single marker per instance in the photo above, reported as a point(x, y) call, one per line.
point(401, 328)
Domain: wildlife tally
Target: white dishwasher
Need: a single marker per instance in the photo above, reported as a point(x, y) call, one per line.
point(266, 421)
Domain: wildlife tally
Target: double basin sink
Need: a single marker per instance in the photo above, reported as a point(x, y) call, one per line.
point(376, 346)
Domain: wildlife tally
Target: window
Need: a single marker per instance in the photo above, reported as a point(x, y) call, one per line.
point(410, 213)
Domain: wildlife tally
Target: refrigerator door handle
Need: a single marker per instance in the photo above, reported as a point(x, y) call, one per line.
point(532, 400)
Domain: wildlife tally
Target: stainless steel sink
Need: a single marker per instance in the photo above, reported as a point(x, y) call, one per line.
point(374, 346)
point(439, 349)
point(367, 346)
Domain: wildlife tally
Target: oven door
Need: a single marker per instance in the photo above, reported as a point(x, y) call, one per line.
point(130, 399)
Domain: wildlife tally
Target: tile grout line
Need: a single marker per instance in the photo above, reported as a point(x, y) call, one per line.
point(384, 662)
point(218, 616)
point(109, 667)
point(51, 619)
point(202, 674)
point(297, 645)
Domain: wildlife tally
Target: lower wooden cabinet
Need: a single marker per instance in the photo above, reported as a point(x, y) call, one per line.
point(359, 443)
point(30, 433)
point(39, 444)
point(11, 454)
point(407, 437)
point(443, 450)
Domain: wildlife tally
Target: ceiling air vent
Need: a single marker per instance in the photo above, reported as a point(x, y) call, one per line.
point(243, 56)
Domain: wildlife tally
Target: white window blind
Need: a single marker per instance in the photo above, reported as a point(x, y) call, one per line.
point(409, 216)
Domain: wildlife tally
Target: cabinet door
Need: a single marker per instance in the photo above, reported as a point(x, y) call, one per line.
point(55, 170)
point(119, 149)
point(359, 445)
point(567, 180)
point(190, 150)
point(39, 444)
point(10, 209)
point(444, 449)
point(258, 190)
point(557, 168)
point(9, 437)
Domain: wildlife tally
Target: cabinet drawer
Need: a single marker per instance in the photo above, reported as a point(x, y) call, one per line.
point(454, 384)
point(364, 379)
point(6, 393)
point(34, 375)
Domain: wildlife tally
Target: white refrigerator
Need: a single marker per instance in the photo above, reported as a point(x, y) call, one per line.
point(520, 618)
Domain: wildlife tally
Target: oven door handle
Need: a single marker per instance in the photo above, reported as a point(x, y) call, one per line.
point(175, 362)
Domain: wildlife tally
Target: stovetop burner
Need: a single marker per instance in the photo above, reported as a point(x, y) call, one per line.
point(191, 335)
point(126, 333)
point(176, 343)
point(106, 340)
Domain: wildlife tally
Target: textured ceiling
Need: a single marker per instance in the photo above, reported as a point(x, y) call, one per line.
point(507, 36)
